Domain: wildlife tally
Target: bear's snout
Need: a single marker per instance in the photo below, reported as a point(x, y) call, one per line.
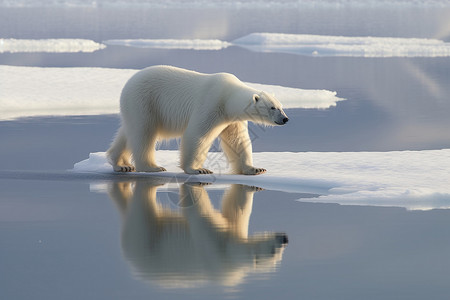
point(281, 118)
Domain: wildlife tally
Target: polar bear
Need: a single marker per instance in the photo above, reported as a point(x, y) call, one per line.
point(163, 102)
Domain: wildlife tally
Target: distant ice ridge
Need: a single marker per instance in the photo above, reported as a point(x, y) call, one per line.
point(193, 44)
point(49, 45)
point(33, 91)
point(306, 44)
point(322, 45)
point(301, 44)
point(219, 3)
point(416, 180)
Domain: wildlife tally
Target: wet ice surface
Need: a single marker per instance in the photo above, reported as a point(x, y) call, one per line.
point(95, 236)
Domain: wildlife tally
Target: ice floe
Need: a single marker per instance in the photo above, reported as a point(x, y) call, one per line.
point(300, 44)
point(191, 44)
point(322, 45)
point(35, 91)
point(307, 44)
point(416, 180)
point(49, 45)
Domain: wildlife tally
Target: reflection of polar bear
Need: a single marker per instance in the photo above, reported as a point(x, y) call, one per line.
point(164, 102)
point(197, 243)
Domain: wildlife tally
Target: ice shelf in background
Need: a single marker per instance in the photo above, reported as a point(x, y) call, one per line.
point(307, 44)
point(35, 91)
point(49, 45)
point(323, 45)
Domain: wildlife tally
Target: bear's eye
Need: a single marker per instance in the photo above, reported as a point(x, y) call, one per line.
point(272, 107)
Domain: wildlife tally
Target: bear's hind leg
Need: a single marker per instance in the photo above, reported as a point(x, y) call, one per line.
point(119, 155)
point(143, 146)
point(237, 146)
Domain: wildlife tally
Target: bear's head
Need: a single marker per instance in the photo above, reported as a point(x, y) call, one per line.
point(266, 109)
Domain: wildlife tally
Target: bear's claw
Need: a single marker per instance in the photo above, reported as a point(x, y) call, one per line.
point(255, 171)
point(198, 171)
point(204, 171)
point(124, 169)
point(152, 169)
point(260, 171)
point(255, 188)
point(159, 169)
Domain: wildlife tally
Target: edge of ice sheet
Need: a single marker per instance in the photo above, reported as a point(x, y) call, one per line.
point(34, 91)
point(49, 45)
point(307, 44)
point(416, 180)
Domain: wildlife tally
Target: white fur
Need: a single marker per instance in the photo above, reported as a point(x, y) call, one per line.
point(163, 102)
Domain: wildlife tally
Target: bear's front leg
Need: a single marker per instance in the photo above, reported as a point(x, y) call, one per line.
point(195, 144)
point(236, 143)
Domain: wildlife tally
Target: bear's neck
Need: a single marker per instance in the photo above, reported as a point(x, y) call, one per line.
point(238, 104)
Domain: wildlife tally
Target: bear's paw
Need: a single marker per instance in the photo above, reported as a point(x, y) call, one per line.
point(254, 171)
point(198, 171)
point(152, 169)
point(124, 169)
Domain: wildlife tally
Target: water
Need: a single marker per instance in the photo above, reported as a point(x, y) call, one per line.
point(67, 242)
point(67, 239)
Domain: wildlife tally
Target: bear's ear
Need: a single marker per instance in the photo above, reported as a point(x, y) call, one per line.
point(255, 97)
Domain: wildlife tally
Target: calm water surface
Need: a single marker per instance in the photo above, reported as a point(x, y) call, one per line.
point(140, 239)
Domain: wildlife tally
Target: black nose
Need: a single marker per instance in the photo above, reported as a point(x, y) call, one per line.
point(282, 238)
point(285, 120)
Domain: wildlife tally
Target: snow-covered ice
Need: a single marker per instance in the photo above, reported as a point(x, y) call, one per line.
point(416, 180)
point(35, 91)
point(49, 45)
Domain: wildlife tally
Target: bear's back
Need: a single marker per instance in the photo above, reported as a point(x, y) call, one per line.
point(164, 95)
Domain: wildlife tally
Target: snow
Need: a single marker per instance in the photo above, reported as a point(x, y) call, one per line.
point(416, 180)
point(35, 91)
point(49, 45)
